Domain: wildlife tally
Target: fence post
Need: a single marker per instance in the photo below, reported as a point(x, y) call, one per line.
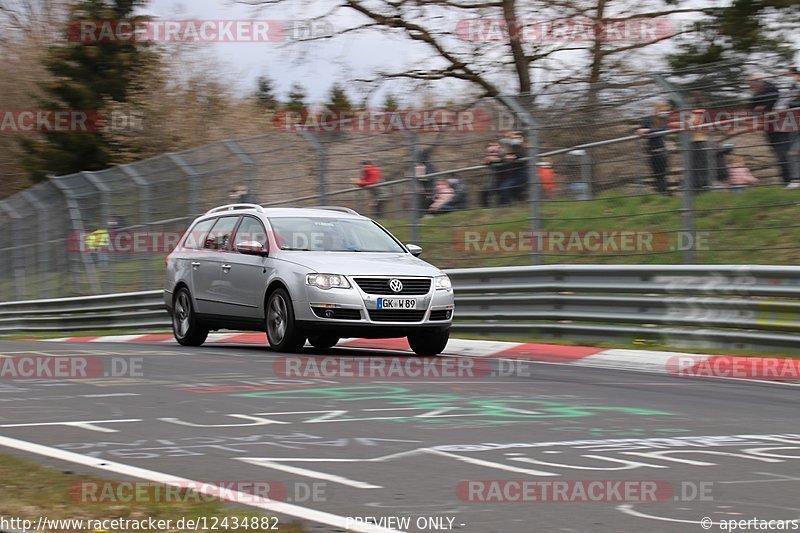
point(77, 226)
point(42, 247)
point(534, 187)
point(322, 157)
point(194, 182)
point(247, 161)
point(104, 191)
point(413, 154)
point(144, 192)
point(687, 209)
point(17, 257)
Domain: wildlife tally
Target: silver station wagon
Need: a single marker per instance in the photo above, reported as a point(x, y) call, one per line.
point(318, 274)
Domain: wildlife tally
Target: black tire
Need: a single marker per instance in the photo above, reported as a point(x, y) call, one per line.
point(431, 342)
point(282, 331)
point(323, 342)
point(186, 328)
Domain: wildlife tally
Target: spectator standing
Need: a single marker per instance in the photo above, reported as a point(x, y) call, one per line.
point(547, 178)
point(699, 141)
point(739, 176)
point(765, 97)
point(653, 127)
point(371, 175)
point(793, 78)
point(493, 159)
point(241, 195)
point(443, 198)
point(461, 197)
point(513, 172)
point(425, 167)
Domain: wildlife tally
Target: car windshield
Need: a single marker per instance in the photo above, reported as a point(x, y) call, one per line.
point(332, 235)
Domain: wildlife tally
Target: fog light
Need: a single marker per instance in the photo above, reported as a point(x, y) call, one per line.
point(329, 313)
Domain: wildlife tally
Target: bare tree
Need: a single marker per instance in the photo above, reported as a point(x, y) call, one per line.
point(498, 46)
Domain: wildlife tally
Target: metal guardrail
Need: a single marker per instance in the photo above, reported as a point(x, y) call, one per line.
point(743, 306)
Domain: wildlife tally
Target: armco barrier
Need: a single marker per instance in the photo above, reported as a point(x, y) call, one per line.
point(744, 306)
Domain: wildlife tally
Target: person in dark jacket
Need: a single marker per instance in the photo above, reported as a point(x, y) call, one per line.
point(513, 172)
point(794, 104)
point(241, 195)
point(490, 188)
point(765, 96)
point(653, 127)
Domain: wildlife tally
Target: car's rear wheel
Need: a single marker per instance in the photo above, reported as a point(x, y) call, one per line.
point(323, 342)
point(186, 327)
point(282, 331)
point(431, 342)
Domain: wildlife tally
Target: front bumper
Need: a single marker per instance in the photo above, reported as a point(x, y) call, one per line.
point(355, 308)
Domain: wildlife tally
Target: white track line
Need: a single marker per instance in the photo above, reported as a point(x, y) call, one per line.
point(168, 479)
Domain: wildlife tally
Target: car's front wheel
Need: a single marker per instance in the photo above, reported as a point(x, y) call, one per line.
point(282, 331)
point(432, 342)
point(186, 327)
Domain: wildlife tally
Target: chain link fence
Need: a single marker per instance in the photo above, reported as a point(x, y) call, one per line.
point(563, 176)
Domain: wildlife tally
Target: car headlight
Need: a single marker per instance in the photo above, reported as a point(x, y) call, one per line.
point(327, 281)
point(442, 283)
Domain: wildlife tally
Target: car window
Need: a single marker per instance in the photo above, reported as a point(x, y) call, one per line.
point(251, 229)
point(196, 237)
point(220, 235)
point(332, 235)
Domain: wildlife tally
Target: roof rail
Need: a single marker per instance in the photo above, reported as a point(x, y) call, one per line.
point(233, 207)
point(335, 208)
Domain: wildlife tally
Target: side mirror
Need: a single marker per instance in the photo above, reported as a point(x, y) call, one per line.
point(414, 249)
point(250, 248)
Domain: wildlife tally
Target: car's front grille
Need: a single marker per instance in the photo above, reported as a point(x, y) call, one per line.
point(441, 314)
point(411, 286)
point(341, 314)
point(396, 315)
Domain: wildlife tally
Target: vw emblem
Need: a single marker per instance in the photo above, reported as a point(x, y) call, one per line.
point(396, 285)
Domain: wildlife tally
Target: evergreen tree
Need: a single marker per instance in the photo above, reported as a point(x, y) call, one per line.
point(265, 97)
point(338, 100)
point(734, 32)
point(390, 103)
point(297, 99)
point(84, 75)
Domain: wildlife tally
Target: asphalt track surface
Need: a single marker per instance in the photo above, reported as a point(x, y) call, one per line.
point(374, 446)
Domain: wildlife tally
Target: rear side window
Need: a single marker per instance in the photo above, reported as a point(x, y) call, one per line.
point(196, 237)
point(220, 235)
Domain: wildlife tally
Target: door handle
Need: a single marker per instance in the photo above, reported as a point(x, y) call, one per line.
point(195, 264)
point(226, 267)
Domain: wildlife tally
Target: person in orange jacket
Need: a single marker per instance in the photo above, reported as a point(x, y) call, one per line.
point(371, 175)
point(547, 178)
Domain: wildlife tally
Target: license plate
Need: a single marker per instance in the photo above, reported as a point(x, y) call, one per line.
point(397, 303)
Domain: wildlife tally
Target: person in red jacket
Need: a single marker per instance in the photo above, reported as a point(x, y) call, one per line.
point(371, 175)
